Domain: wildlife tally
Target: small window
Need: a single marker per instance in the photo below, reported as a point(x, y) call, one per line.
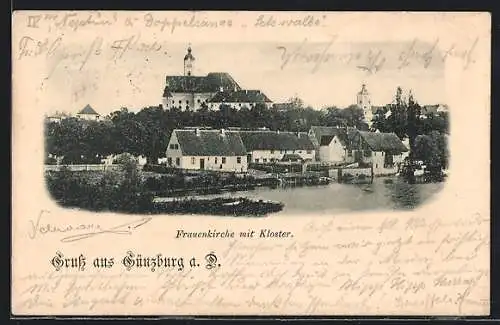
point(223, 160)
point(215, 159)
point(173, 101)
point(256, 160)
point(238, 160)
point(272, 151)
point(193, 161)
point(187, 101)
point(300, 151)
point(169, 160)
point(178, 161)
point(309, 152)
point(180, 101)
point(264, 160)
point(172, 146)
point(349, 153)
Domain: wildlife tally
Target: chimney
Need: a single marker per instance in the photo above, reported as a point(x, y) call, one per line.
point(197, 132)
point(222, 131)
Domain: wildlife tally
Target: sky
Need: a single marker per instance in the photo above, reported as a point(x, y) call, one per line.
point(327, 73)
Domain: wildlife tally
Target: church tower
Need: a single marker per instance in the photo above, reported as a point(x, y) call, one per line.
point(363, 101)
point(188, 63)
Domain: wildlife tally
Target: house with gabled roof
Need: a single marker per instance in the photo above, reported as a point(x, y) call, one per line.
point(274, 146)
point(335, 144)
point(206, 149)
point(383, 151)
point(88, 113)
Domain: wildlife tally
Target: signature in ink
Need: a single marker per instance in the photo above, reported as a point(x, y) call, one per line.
point(123, 229)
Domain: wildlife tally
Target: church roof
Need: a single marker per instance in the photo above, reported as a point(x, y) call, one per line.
point(363, 90)
point(88, 110)
point(210, 83)
point(210, 143)
point(189, 55)
point(240, 96)
point(379, 141)
point(271, 140)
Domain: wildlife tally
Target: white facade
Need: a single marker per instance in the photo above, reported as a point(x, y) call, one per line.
point(186, 101)
point(236, 105)
point(88, 117)
point(378, 162)
point(268, 156)
point(364, 102)
point(175, 158)
point(333, 152)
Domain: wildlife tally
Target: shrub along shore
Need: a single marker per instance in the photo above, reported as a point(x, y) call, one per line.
point(130, 191)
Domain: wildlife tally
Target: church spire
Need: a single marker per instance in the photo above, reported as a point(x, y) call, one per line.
point(189, 62)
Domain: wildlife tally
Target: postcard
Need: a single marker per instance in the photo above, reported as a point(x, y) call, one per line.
point(250, 163)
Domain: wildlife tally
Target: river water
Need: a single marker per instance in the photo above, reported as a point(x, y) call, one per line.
point(385, 193)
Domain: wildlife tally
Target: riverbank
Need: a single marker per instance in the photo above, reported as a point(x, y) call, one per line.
point(135, 192)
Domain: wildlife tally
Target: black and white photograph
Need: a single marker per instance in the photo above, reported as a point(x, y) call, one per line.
point(235, 163)
point(225, 135)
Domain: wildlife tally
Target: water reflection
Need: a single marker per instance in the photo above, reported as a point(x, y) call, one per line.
point(383, 194)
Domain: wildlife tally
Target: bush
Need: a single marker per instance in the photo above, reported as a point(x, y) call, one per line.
point(121, 193)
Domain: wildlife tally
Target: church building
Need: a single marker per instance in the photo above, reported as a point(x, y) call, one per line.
point(191, 92)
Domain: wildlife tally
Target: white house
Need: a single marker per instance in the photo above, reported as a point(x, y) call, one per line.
point(239, 99)
point(88, 113)
point(275, 146)
point(198, 149)
point(335, 145)
point(383, 151)
point(325, 135)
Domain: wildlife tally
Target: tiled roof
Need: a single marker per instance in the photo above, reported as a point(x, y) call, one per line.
point(321, 131)
point(210, 83)
point(343, 136)
point(88, 110)
point(378, 141)
point(270, 140)
point(241, 96)
point(210, 143)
